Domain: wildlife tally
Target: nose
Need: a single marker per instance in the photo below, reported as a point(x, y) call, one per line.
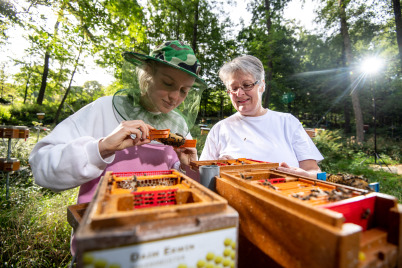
point(238, 92)
point(174, 94)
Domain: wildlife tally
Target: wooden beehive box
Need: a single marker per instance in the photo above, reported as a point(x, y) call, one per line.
point(302, 222)
point(8, 165)
point(224, 165)
point(156, 219)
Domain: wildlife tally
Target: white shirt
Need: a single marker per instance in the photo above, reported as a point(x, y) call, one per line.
point(273, 137)
point(69, 156)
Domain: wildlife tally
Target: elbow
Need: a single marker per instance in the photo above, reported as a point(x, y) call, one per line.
point(45, 184)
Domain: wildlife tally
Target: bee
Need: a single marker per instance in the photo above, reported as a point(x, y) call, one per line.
point(129, 184)
point(135, 183)
point(334, 196)
point(175, 140)
point(296, 196)
point(350, 180)
point(245, 177)
point(336, 178)
point(366, 213)
point(267, 183)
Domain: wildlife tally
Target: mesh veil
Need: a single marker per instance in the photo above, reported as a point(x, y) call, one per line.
point(127, 103)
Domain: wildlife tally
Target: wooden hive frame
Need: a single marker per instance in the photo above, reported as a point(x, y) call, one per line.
point(166, 137)
point(111, 222)
point(192, 170)
point(298, 234)
point(115, 208)
point(230, 163)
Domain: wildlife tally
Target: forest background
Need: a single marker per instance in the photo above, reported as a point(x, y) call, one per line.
point(322, 77)
point(317, 76)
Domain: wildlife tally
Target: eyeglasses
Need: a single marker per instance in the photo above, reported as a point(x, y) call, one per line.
point(245, 87)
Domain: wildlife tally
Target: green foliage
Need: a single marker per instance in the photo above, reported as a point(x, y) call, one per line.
point(344, 155)
point(329, 143)
point(201, 138)
point(5, 114)
point(25, 115)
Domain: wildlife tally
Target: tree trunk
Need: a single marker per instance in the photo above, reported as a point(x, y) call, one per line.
point(206, 101)
point(348, 58)
point(56, 117)
point(195, 27)
point(178, 28)
point(346, 104)
point(42, 90)
point(398, 23)
point(269, 75)
point(45, 73)
point(26, 88)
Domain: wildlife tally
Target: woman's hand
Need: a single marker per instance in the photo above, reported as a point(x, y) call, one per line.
point(311, 172)
point(225, 157)
point(186, 155)
point(127, 134)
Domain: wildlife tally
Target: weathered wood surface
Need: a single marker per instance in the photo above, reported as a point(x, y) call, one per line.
point(117, 210)
point(75, 214)
point(295, 234)
point(104, 226)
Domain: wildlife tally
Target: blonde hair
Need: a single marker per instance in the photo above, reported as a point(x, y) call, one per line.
point(145, 75)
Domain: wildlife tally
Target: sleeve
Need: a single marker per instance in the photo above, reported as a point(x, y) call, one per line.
point(303, 145)
point(67, 158)
point(211, 150)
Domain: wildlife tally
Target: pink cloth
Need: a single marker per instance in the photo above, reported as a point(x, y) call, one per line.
point(137, 158)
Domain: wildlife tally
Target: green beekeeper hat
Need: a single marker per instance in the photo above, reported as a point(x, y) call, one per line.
point(173, 53)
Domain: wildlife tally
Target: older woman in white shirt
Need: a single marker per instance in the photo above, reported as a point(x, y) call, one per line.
point(256, 132)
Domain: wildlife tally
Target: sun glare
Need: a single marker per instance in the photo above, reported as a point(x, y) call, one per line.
point(371, 65)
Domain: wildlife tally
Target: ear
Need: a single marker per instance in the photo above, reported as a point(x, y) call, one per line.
point(262, 86)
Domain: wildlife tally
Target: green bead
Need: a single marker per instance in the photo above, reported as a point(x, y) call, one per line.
point(233, 255)
point(218, 259)
point(233, 245)
point(226, 252)
point(209, 265)
point(210, 256)
point(227, 242)
point(201, 263)
point(226, 262)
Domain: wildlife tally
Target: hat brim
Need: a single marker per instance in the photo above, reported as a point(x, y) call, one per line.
point(139, 59)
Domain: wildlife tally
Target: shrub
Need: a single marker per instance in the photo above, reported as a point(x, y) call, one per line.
point(5, 114)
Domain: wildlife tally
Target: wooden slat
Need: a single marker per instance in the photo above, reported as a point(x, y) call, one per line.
point(287, 234)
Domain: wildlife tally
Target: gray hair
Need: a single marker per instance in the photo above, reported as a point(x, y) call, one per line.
point(246, 64)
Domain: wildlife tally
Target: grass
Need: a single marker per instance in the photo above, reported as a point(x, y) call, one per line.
point(34, 231)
